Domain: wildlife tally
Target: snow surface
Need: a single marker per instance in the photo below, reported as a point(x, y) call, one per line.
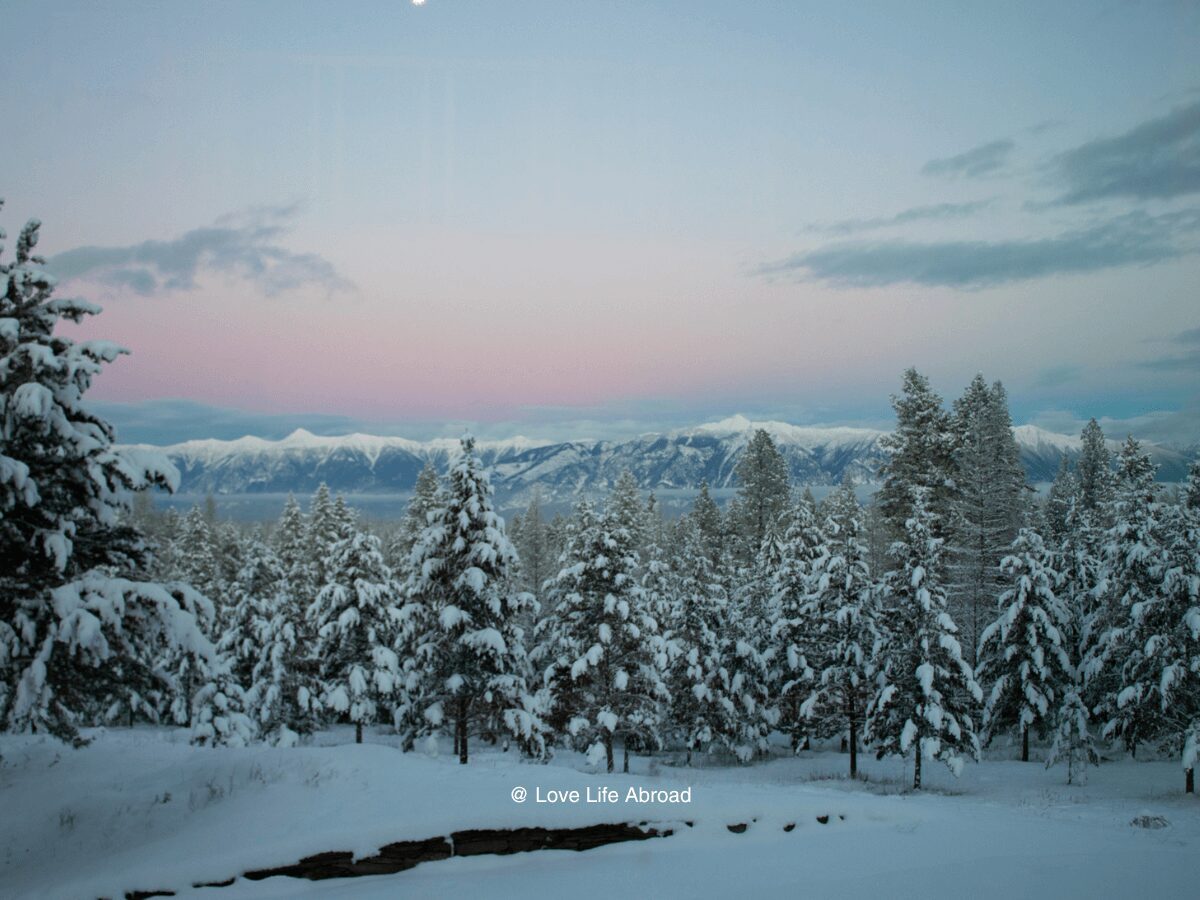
point(144, 810)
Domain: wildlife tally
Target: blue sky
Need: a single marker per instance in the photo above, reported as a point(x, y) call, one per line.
point(568, 218)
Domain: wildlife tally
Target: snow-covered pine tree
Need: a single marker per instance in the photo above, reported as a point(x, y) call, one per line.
point(921, 457)
point(707, 516)
point(701, 713)
point(219, 716)
point(924, 688)
point(1094, 470)
point(326, 526)
point(1071, 738)
point(1134, 565)
point(289, 538)
point(763, 492)
point(1024, 653)
point(841, 607)
point(794, 637)
point(253, 598)
point(987, 505)
point(284, 696)
point(69, 623)
point(600, 648)
point(1160, 675)
point(423, 501)
point(462, 645)
point(196, 555)
point(534, 549)
point(1063, 492)
point(750, 653)
point(356, 617)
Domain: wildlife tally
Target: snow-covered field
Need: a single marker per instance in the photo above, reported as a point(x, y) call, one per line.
point(144, 810)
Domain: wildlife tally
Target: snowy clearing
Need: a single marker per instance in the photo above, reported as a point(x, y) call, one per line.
point(144, 810)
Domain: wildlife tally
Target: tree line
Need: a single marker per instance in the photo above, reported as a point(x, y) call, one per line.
point(955, 607)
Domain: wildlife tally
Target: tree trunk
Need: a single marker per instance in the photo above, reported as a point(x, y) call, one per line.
point(457, 732)
point(1189, 786)
point(358, 732)
point(608, 750)
point(853, 747)
point(625, 767)
point(1025, 744)
point(462, 730)
point(917, 769)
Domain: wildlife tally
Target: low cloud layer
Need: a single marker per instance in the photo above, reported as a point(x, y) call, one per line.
point(1136, 238)
point(1157, 160)
point(244, 245)
point(978, 161)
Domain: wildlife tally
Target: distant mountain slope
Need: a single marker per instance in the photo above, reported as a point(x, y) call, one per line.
point(681, 459)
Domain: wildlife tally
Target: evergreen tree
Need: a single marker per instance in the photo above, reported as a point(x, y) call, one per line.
point(987, 505)
point(1134, 563)
point(841, 607)
point(253, 596)
point(1063, 493)
point(219, 716)
point(290, 539)
point(284, 697)
point(924, 687)
point(763, 492)
point(355, 618)
point(1071, 738)
point(707, 516)
point(69, 622)
point(462, 643)
point(1024, 652)
point(600, 648)
point(921, 456)
point(1160, 675)
point(702, 713)
point(794, 636)
point(533, 545)
point(1094, 471)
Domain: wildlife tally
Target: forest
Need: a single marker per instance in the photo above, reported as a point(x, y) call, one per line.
point(957, 607)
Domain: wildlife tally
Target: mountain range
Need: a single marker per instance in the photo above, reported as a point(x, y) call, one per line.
point(672, 462)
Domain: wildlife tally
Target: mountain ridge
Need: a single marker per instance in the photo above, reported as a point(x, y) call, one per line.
point(675, 460)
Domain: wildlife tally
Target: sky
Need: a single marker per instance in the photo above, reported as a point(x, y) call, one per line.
point(594, 219)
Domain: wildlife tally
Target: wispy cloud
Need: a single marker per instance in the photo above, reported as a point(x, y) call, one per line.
point(1188, 361)
point(244, 245)
point(1056, 376)
point(1136, 238)
point(973, 163)
point(933, 212)
point(1158, 159)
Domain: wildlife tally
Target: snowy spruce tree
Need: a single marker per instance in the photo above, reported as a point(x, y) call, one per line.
point(921, 457)
point(925, 692)
point(599, 647)
point(219, 715)
point(702, 714)
point(355, 617)
point(841, 611)
point(1134, 565)
point(284, 694)
point(988, 502)
point(1160, 673)
point(461, 642)
point(762, 495)
point(1024, 653)
point(253, 597)
point(78, 626)
point(793, 633)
